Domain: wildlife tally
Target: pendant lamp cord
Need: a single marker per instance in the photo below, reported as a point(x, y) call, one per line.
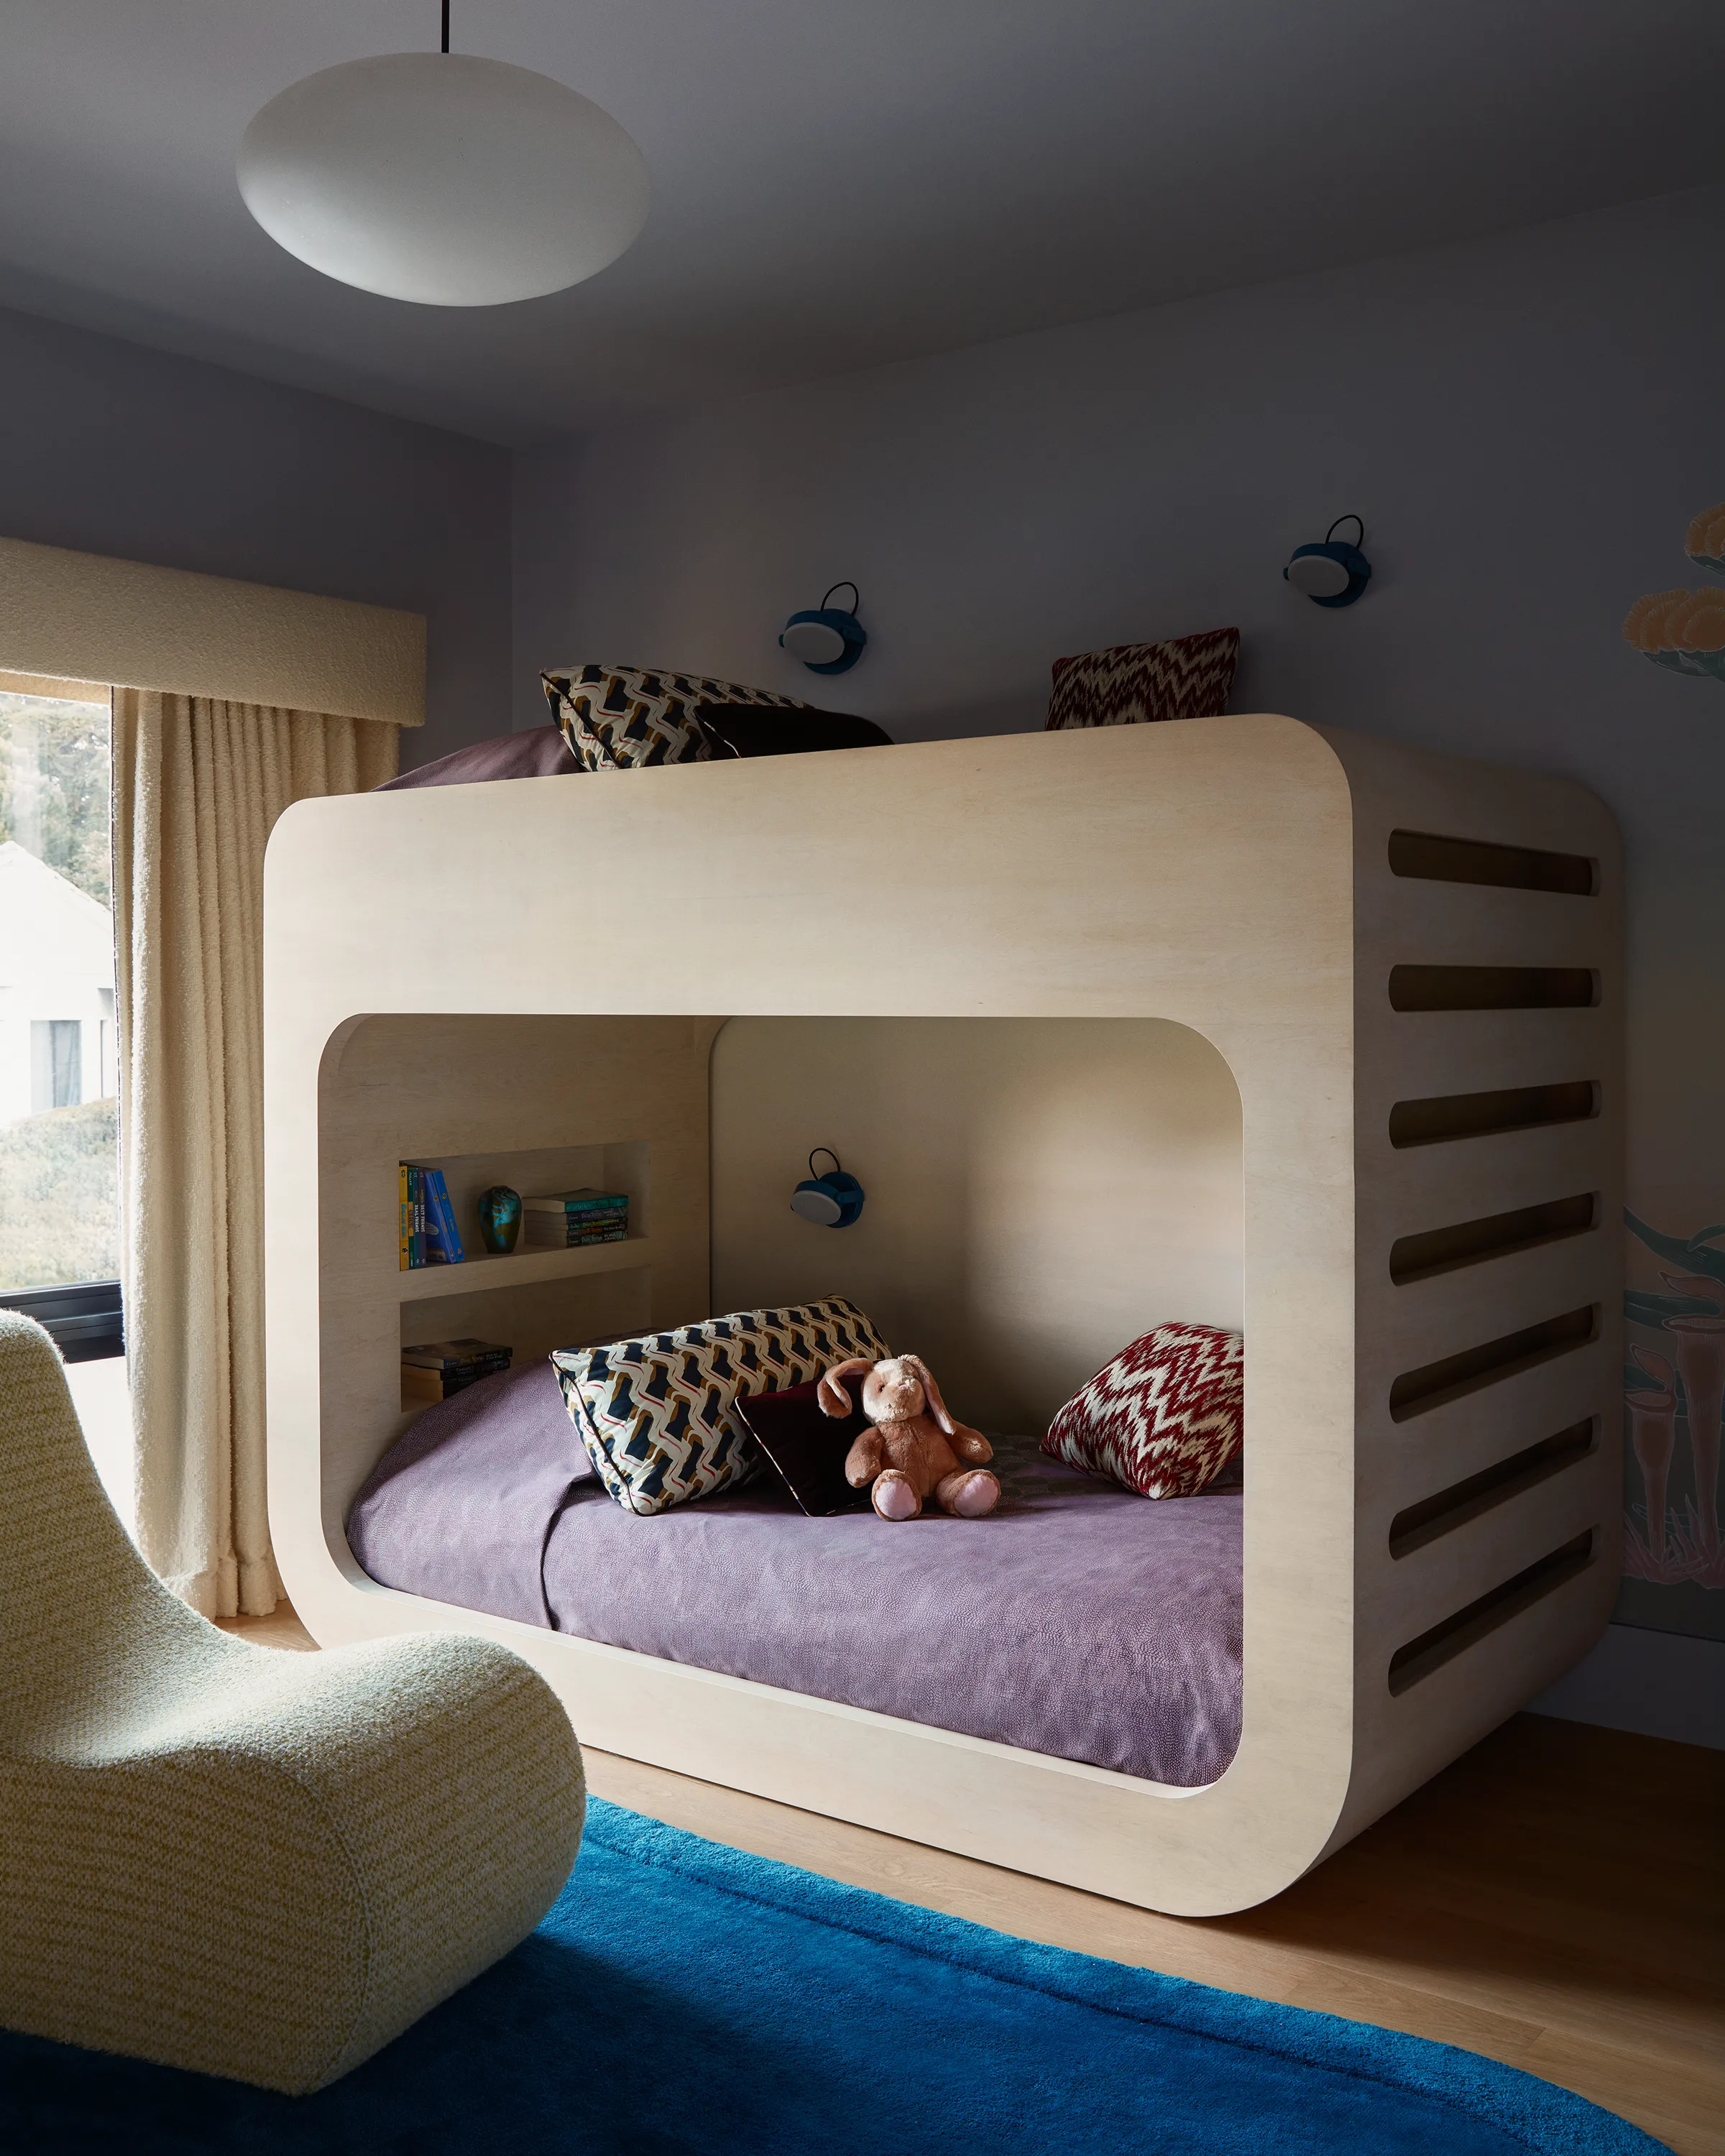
point(446, 25)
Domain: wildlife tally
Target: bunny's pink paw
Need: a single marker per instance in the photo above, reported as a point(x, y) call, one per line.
point(973, 1495)
point(895, 1499)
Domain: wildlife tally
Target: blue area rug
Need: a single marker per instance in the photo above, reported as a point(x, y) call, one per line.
point(681, 1997)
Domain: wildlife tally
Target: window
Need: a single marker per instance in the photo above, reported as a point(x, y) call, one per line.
point(56, 1063)
point(59, 1213)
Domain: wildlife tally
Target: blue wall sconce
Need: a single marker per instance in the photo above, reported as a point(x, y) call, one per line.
point(833, 1200)
point(1329, 571)
point(827, 639)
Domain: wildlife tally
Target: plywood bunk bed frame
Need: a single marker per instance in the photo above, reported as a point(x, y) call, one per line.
point(1409, 963)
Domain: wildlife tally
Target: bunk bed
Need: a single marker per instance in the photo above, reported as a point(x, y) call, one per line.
point(1310, 1032)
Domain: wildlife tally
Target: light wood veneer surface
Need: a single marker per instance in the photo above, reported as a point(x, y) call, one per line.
point(1553, 1900)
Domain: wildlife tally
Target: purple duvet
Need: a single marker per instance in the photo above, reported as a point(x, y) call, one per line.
point(1079, 1620)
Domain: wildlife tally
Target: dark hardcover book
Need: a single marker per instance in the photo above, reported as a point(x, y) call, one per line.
point(457, 1381)
point(455, 1370)
point(456, 1354)
point(426, 1388)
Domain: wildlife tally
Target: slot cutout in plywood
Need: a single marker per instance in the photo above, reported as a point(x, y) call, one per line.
point(1416, 1525)
point(1480, 1618)
point(1492, 987)
point(1434, 859)
point(1497, 1235)
point(1443, 1118)
point(1435, 1384)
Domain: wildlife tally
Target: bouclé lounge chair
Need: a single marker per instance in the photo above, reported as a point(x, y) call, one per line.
point(254, 1863)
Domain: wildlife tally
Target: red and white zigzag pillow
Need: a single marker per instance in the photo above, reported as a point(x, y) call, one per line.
point(1163, 1417)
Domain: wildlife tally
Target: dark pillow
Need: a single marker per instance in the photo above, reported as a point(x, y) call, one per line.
point(1189, 677)
point(627, 718)
point(759, 730)
point(806, 1449)
point(539, 753)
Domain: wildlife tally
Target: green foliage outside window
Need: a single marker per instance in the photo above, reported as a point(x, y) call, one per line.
point(53, 786)
point(59, 1196)
point(59, 1213)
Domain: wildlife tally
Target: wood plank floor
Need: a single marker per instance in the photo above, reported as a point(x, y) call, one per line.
point(1553, 1900)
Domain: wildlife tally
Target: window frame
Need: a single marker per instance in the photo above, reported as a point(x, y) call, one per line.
point(84, 1319)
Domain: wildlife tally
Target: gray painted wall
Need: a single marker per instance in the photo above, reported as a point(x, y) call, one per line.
point(118, 449)
point(1526, 424)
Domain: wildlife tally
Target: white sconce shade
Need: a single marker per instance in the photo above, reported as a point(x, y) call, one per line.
point(443, 178)
point(1317, 575)
point(815, 643)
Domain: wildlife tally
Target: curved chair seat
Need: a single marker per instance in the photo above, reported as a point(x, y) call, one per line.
point(251, 1862)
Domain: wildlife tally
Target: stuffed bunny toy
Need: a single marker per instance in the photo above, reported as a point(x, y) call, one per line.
point(914, 1447)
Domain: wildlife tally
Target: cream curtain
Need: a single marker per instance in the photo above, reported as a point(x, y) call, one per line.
point(197, 785)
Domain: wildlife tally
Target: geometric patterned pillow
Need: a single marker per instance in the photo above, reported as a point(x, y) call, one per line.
point(622, 718)
point(1163, 1417)
point(658, 1414)
point(1189, 677)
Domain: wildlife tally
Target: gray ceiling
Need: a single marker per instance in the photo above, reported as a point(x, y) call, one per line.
point(837, 183)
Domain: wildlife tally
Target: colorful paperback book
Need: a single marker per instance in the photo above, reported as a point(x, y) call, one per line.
point(443, 1238)
point(411, 1189)
point(578, 1201)
point(439, 1192)
point(544, 1233)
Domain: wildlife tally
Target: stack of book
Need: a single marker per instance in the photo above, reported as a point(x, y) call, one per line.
point(441, 1368)
point(428, 1235)
point(569, 1219)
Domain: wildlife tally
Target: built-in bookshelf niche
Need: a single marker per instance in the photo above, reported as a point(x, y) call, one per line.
point(533, 1299)
point(624, 1166)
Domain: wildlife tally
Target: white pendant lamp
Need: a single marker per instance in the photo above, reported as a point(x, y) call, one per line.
point(444, 179)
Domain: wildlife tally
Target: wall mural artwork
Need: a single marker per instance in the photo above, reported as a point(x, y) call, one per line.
point(1674, 1386)
point(1684, 631)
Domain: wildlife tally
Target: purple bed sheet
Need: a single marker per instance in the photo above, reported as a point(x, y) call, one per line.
point(534, 752)
point(1079, 1620)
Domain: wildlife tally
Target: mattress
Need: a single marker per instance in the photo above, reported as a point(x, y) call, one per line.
point(1078, 1619)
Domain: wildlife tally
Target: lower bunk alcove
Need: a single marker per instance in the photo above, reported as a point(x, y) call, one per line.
point(1039, 1192)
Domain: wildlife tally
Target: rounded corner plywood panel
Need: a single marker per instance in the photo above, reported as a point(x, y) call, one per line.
point(1041, 1191)
point(1105, 904)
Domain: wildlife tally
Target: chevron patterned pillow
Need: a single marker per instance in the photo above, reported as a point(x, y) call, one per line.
point(1163, 1417)
point(658, 1414)
point(622, 718)
point(1131, 684)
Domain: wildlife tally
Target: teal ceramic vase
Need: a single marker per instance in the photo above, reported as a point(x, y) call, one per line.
point(500, 1216)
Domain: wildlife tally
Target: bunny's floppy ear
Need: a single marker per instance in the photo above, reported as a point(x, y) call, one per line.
point(834, 1398)
point(936, 1405)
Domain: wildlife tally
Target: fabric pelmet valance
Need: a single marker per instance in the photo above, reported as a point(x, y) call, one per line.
point(74, 618)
